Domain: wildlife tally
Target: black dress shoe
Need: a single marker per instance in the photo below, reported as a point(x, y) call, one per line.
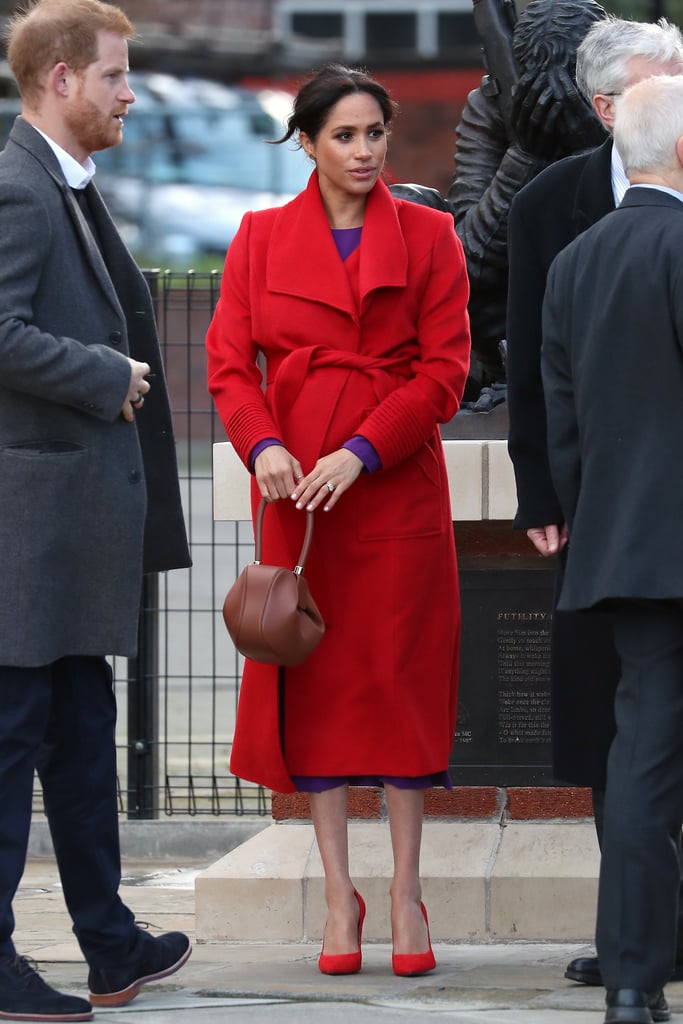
point(152, 958)
point(586, 970)
point(25, 996)
point(633, 1006)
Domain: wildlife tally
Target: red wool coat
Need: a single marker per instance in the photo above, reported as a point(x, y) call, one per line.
point(378, 346)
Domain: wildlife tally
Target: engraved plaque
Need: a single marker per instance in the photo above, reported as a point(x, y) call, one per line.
point(503, 729)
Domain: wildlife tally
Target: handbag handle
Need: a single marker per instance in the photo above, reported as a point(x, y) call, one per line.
point(301, 564)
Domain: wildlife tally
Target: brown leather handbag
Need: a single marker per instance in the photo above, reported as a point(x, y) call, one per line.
point(269, 611)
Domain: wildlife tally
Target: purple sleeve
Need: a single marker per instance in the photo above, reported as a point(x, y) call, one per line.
point(359, 445)
point(365, 451)
point(259, 447)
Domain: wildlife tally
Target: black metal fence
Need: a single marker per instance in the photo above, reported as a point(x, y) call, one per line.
point(177, 699)
point(181, 690)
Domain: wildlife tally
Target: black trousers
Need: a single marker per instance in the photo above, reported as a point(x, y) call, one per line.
point(60, 719)
point(584, 673)
point(640, 871)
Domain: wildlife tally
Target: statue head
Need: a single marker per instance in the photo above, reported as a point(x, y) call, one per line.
point(549, 32)
point(551, 118)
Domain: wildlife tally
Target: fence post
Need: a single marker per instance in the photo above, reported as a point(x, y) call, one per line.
point(143, 708)
point(143, 686)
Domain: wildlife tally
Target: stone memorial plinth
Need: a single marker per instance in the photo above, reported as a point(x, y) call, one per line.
point(503, 729)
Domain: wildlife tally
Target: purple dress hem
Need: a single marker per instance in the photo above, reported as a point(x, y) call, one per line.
point(321, 783)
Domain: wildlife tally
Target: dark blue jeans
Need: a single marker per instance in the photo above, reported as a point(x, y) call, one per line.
point(60, 719)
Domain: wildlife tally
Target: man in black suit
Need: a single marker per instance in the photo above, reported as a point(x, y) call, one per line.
point(612, 365)
point(560, 203)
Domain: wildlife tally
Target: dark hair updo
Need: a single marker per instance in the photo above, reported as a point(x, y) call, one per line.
point(319, 94)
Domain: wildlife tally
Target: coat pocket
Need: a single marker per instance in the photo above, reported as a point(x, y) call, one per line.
point(44, 511)
point(48, 447)
point(405, 501)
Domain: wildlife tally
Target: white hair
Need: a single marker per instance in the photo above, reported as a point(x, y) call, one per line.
point(648, 122)
point(602, 57)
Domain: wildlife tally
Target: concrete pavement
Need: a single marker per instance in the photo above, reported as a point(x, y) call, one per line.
point(231, 982)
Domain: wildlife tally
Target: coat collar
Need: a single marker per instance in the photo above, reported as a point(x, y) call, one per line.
point(636, 196)
point(303, 258)
point(26, 136)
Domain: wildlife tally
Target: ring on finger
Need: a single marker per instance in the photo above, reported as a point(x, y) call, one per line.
point(330, 487)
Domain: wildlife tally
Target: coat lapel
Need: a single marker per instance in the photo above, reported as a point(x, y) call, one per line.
point(24, 135)
point(121, 269)
point(594, 196)
point(303, 260)
point(383, 254)
point(92, 250)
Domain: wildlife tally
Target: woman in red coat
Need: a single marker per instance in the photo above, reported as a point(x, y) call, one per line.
point(357, 303)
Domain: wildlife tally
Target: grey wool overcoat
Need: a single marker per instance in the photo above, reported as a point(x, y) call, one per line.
point(88, 501)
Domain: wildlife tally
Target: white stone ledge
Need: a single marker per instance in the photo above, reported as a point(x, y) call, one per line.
point(480, 477)
point(481, 881)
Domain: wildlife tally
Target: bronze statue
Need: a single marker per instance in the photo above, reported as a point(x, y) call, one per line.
point(526, 113)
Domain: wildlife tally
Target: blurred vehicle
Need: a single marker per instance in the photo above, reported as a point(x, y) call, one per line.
point(194, 158)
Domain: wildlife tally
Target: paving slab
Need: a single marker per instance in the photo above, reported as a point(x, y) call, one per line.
point(279, 983)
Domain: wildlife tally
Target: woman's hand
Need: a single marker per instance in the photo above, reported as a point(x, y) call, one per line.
point(333, 474)
point(277, 472)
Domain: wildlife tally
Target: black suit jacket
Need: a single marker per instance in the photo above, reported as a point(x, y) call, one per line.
point(612, 362)
point(546, 215)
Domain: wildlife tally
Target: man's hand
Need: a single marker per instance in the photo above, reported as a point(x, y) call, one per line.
point(137, 389)
point(548, 540)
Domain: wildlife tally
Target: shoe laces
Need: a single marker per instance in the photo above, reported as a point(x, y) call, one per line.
point(26, 970)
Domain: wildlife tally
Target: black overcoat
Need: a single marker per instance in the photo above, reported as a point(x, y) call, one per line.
point(546, 215)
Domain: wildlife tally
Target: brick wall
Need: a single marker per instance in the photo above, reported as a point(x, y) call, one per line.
point(482, 803)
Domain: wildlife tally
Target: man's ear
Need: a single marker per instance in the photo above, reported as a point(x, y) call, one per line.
point(58, 78)
point(604, 108)
point(679, 151)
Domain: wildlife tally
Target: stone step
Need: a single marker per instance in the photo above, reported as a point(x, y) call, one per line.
point(482, 881)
